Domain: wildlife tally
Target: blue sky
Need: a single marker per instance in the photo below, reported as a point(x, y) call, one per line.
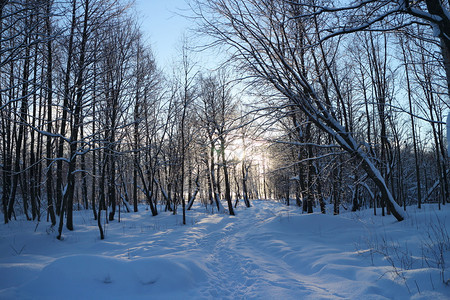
point(163, 27)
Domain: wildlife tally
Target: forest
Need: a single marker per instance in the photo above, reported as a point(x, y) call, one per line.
point(316, 105)
point(293, 149)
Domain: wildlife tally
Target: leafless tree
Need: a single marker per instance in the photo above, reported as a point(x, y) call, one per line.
point(256, 30)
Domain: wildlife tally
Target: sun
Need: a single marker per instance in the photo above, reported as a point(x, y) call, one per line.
point(250, 151)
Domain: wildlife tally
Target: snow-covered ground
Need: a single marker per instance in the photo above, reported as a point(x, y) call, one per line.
point(268, 251)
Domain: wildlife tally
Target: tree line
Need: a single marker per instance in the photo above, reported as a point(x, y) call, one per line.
point(89, 121)
point(341, 105)
point(360, 90)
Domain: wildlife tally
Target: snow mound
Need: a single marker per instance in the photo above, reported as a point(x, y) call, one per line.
point(99, 277)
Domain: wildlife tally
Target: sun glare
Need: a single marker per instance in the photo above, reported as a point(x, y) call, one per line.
point(251, 151)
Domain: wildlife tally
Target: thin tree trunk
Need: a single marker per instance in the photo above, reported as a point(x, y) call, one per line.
point(84, 188)
point(69, 190)
point(226, 177)
point(66, 98)
point(21, 136)
point(94, 151)
point(244, 184)
point(194, 195)
point(413, 129)
point(435, 7)
point(49, 148)
point(213, 177)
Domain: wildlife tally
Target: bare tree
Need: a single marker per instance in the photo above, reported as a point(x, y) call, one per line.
point(20, 42)
point(374, 15)
point(218, 116)
point(255, 29)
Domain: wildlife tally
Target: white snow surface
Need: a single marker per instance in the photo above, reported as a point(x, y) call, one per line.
point(267, 251)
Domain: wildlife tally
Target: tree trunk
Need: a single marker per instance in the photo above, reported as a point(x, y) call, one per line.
point(413, 129)
point(94, 155)
point(84, 188)
point(213, 177)
point(437, 8)
point(66, 100)
point(244, 185)
point(226, 177)
point(35, 147)
point(197, 188)
point(21, 136)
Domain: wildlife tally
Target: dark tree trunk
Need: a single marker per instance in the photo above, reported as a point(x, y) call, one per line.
point(34, 147)
point(84, 187)
point(68, 194)
point(435, 7)
point(226, 177)
point(94, 151)
point(66, 97)
point(197, 188)
point(21, 134)
point(213, 176)
point(244, 184)
point(413, 129)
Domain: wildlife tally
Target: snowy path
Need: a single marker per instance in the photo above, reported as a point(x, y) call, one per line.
point(237, 268)
point(268, 251)
point(240, 267)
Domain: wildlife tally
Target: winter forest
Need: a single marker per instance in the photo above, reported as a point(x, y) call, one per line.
point(318, 138)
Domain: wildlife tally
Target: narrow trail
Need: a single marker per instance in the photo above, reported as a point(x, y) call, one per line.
point(239, 269)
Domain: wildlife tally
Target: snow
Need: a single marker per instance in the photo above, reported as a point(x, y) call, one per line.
point(268, 251)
